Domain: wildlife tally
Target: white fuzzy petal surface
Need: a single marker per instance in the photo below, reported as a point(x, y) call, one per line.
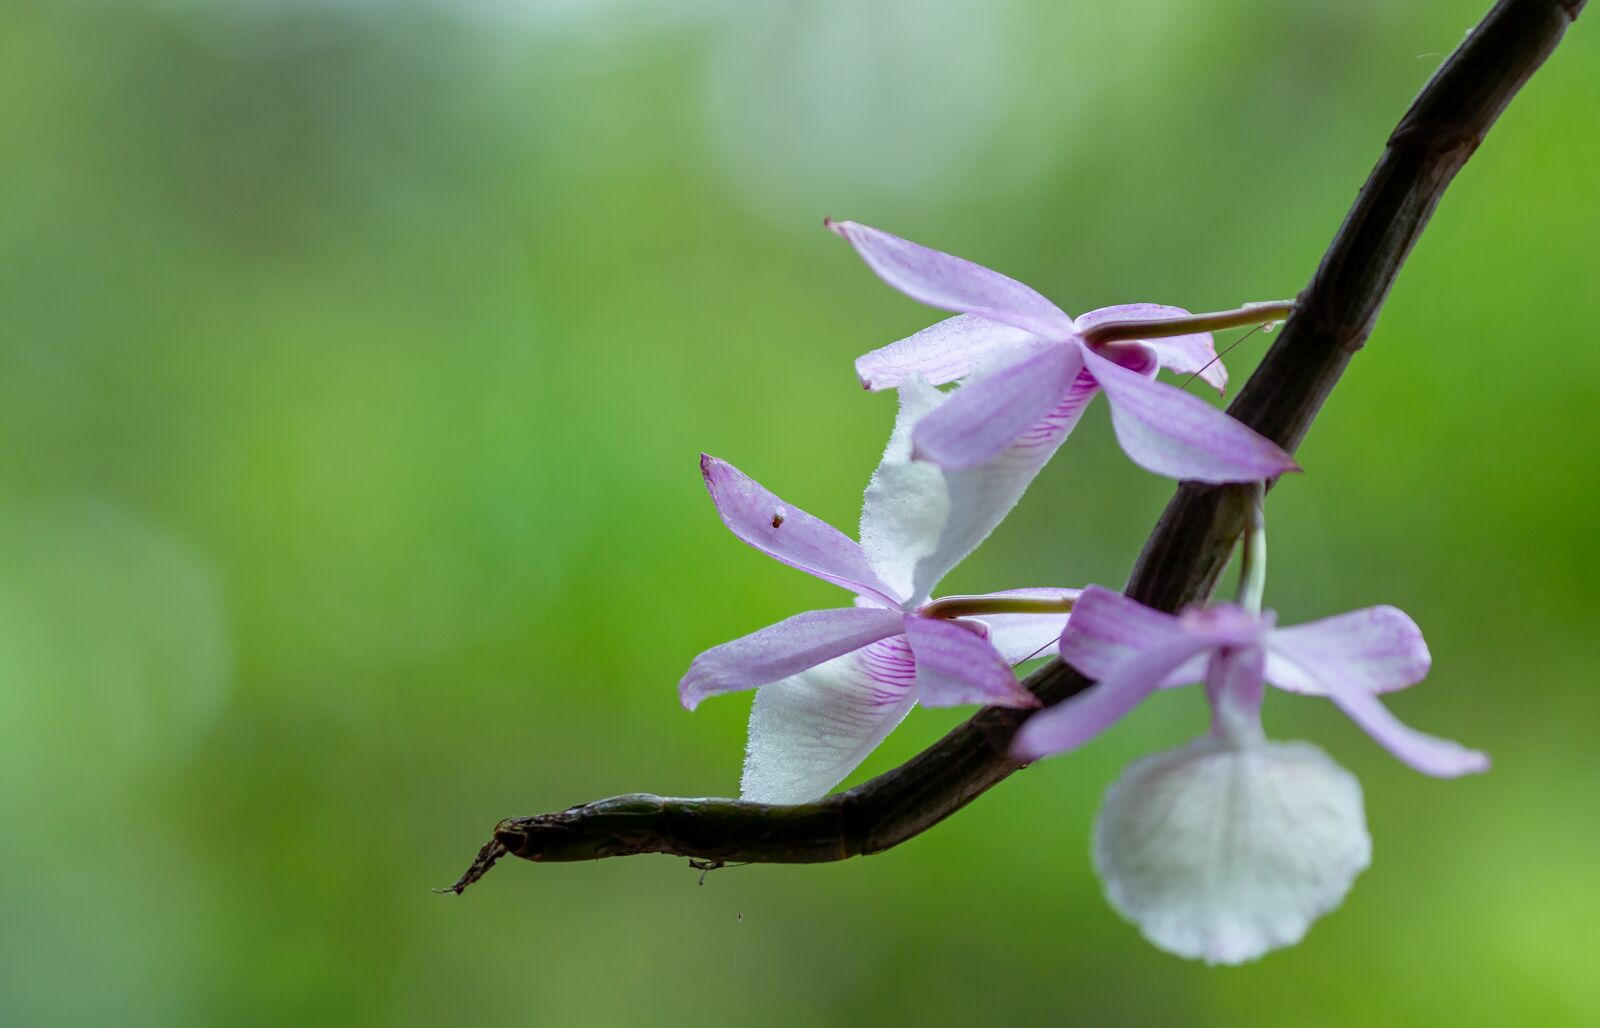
point(809, 731)
point(907, 504)
point(1223, 854)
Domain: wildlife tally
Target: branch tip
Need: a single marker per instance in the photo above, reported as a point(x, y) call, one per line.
point(492, 851)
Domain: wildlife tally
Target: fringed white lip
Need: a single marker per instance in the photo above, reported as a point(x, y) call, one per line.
point(1224, 853)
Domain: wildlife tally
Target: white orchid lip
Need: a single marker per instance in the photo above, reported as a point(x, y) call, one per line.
point(1223, 854)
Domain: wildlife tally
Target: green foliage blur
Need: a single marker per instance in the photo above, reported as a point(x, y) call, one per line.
point(355, 358)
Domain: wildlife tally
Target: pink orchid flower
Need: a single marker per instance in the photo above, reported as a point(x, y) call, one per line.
point(1030, 372)
point(1132, 650)
point(832, 684)
point(1233, 845)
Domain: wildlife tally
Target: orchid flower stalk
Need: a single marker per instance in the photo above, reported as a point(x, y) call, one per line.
point(831, 684)
point(1029, 369)
point(1233, 845)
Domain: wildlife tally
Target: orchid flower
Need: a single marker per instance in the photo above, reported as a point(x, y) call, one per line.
point(1232, 845)
point(831, 684)
point(1029, 367)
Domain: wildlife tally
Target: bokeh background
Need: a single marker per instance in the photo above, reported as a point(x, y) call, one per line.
point(354, 362)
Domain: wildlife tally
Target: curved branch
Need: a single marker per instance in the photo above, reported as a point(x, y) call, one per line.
point(1192, 541)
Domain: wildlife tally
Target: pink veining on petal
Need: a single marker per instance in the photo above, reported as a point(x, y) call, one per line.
point(985, 417)
point(1054, 427)
point(956, 666)
point(784, 649)
point(981, 496)
point(892, 669)
point(809, 731)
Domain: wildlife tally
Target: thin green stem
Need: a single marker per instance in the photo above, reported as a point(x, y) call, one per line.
point(1253, 556)
point(1158, 328)
point(970, 606)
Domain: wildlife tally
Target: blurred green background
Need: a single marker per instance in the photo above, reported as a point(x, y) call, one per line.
point(356, 357)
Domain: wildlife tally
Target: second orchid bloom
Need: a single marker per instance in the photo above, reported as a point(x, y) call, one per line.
point(833, 683)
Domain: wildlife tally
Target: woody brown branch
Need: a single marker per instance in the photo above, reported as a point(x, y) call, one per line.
point(1190, 544)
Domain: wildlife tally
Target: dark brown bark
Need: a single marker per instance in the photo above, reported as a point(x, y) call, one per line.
point(1192, 541)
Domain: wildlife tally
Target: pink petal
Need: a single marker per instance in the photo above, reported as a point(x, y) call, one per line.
point(1194, 354)
point(788, 533)
point(1426, 753)
point(1019, 637)
point(1070, 724)
point(1172, 433)
point(1377, 649)
point(940, 353)
point(1107, 629)
point(940, 280)
point(784, 649)
point(808, 732)
point(1234, 687)
point(997, 410)
point(955, 666)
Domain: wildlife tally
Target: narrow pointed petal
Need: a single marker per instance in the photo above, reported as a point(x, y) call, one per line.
point(808, 732)
point(1378, 649)
point(1107, 629)
point(956, 666)
point(1194, 354)
point(940, 353)
point(981, 496)
point(1070, 724)
point(1429, 754)
point(1020, 637)
point(1168, 431)
point(787, 533)
point(785, 649)
point(996, 410)
point(940, 280)
point(1222, 854)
